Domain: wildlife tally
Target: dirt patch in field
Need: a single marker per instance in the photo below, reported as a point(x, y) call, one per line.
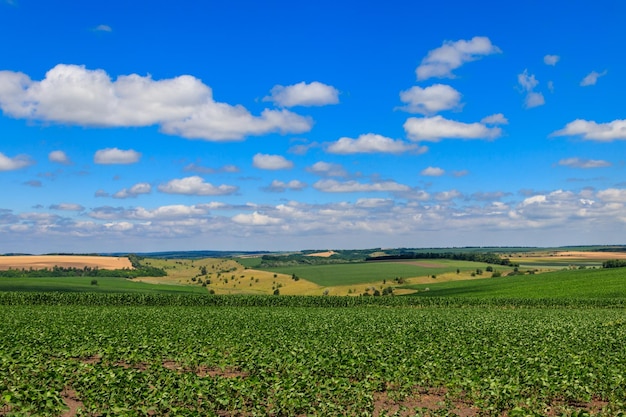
point(63, 261)
point(432, 399)
point(72, 401)
point(202, 371)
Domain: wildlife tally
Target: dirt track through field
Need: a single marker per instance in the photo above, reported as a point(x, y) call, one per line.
point(64, 261)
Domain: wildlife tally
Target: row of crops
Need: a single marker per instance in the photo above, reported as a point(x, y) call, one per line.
point(156, 299)
point(165, 357)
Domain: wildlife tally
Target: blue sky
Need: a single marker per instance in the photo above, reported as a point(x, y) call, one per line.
point(273, 125)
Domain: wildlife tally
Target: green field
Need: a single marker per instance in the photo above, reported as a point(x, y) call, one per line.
point(365, 272)
point(294, 361)
point(83, 284)
point(581, 283)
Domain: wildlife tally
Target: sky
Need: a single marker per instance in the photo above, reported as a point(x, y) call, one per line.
point(279, 125)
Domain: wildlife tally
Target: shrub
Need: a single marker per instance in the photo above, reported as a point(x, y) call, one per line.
point(94, 282)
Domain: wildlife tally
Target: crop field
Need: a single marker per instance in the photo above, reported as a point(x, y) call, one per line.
point(66, 360)
point(84, 284)
point(50, 261)
point(580, 283)
point(368, 272)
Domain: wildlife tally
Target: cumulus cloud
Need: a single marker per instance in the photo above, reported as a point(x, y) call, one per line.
point(271, 162)
point(495, 119)
point(527, 83)
point(134, 191)
point(447, 195)
point(432, 172)
point(59, 157)
point(195, 186)
point(613, 195)
point(255, 219)
point(442, 61)
point(303, 94)
point(551, 59)
point(435, 128)
point(584, 163)
point(334, 186)
point(369, 143)
point(592, 78)
point(281, 186)
point(590, 130)
point(111, 156)
point(15, 163)
point(430, 100)
point(183, 106)
point(67, 207)
point(327, 169)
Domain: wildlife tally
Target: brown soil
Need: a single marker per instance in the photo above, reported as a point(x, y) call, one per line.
point(70, 397)
point(64, 261)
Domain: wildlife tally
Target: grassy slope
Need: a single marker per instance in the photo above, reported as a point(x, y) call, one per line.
point(83, 284)
point(586, 283)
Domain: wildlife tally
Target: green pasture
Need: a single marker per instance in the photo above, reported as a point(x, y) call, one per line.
point(580, 283)
point(83, 284)
point(365, 272)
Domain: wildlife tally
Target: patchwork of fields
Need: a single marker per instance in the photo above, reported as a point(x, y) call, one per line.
point(549, 344)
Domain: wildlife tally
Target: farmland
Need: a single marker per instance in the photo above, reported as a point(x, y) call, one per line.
point(279, 361)
point(549, 344)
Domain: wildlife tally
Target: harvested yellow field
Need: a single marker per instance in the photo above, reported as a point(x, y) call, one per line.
point(326, 254)
point(226, 276)
point(63, 261)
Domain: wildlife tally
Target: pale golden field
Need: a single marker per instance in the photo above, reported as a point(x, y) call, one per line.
point(64, 261)
point(226, 276)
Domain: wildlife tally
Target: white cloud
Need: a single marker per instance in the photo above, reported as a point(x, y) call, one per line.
point(430, 100)
point(528, 82)
point(183, 106)
point(103, 28)
point(15, 163)
point(495, 119)
point(333, 186)
point(281, 186)
point(134, 191)
point(303, 94)
point(369, 143)
point(433, 172)
point(551, 59)
point(195, 186)
point(584, 163)
point(436, 128)
point(442, 61)
point(590, 130)
point(592, 78)
point(460, 173)
point(59, 157)
point(447, 195)
point(67, 207)
point(271, 162)
point(255, 219)
point(534, 99)
point(327, 169)
point(116, 156)
point(614, 195)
